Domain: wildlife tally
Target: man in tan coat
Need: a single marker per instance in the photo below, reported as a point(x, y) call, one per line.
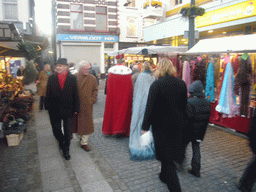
point(88, 92)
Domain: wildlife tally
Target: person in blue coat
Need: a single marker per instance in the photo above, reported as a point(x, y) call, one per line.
point(199, 111)
point(140, 95)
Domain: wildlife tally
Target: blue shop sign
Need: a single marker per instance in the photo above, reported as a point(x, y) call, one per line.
point(72, 37)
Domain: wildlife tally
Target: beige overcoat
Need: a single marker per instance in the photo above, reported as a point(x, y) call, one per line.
point(88, 92)
point(43, 79)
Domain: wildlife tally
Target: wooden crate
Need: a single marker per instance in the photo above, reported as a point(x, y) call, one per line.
point(14, 139)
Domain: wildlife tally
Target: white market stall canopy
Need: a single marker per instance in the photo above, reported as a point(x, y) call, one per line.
point(235, 44)
point(149, 50)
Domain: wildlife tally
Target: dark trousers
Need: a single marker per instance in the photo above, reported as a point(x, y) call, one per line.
point(63, 137)
point(248, 178)
point(41, 105)
point(196, 158)
point(170, 176)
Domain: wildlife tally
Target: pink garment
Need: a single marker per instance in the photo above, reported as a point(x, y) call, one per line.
point(186, 74)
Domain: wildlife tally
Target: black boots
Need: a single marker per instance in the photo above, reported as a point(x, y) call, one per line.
point(65, 149)
point(66, 154)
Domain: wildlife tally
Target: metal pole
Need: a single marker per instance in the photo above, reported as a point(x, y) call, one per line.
point(54, 27)
point(191, 32)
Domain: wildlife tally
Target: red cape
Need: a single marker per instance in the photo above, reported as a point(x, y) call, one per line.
point(118, 107)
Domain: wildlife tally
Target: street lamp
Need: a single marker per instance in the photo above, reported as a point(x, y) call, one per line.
point(54, 33)
point(191, 36)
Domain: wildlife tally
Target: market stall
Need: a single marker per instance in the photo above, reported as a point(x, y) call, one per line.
point(226, 66)
point(15, 103)
point(148, 53)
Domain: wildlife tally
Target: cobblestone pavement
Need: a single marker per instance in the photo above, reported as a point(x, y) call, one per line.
point(19, 165)
point(224, 156)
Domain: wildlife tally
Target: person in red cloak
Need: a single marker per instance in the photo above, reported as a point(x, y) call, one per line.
point(118, 107)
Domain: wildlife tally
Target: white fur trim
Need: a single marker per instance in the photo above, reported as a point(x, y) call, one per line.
point(120, 70)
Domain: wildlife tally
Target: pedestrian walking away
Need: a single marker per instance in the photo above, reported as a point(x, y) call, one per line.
point(118, 107)
point(42, 82)
point(96, 68)
point(88, 92)
point(199, 112)
point(140, 95)
point(62, 101)
point(248, 177)
point(166, 113)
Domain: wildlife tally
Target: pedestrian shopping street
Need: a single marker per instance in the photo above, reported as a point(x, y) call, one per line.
point(37, 164)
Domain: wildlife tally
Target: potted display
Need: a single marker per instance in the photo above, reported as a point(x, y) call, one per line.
point(192, 11)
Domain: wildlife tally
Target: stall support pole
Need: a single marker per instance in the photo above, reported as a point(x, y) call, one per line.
point(191, 36)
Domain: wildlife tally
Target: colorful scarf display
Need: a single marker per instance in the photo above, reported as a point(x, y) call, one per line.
point(227, 100)
point(209, 89)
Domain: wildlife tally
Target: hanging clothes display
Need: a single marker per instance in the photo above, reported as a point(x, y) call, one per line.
point(186, 74)
point(235, 63)
point(227, 100)
point(243, 85)
point(199, 70)
point(209, 88)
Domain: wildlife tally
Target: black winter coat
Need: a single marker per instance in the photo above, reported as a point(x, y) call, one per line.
point(252, 133)
point(166, 112)
point(199, 112)
point(65, 101)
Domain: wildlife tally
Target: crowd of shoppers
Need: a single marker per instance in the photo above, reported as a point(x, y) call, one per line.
point(137, 102)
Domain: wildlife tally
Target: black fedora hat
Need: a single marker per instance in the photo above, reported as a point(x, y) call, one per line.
point(62, 61)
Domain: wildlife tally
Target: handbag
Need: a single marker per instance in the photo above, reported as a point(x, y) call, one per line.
point(74, 127)
point(146, 138)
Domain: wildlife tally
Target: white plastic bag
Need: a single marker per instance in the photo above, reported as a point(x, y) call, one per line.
point(146, 138)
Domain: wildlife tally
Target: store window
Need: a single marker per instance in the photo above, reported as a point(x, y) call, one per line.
point(108, 45)
point(178, 2)
point(101, 18)
point(10, 8)
point(76, 15)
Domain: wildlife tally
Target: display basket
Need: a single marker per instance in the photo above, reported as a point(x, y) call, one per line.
point(14, 139)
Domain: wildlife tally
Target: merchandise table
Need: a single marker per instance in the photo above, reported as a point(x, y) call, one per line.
point(238, 123)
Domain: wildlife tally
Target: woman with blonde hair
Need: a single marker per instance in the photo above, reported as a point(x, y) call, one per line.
point(140, 94)
point(42, 84)
point(166, 115)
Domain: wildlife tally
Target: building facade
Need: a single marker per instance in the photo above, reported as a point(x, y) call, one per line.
point(221, 18)
point(87, 30)
point(17, 22)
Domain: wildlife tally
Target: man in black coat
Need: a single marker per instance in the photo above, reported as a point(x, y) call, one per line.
point(199, 111)
point(61, 102)
point(248, 178)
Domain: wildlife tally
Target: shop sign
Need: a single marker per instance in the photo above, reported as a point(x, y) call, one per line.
point(140, 58)
point(226, 14)
point(98, 38)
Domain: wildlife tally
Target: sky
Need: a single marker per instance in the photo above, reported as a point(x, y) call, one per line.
point(43, 15)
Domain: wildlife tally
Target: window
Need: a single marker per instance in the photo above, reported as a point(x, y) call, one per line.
point(177, 2)
point(108, 45)
point(131, 27)
point(76, 16)
point(101, 18)
point(10, 9)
